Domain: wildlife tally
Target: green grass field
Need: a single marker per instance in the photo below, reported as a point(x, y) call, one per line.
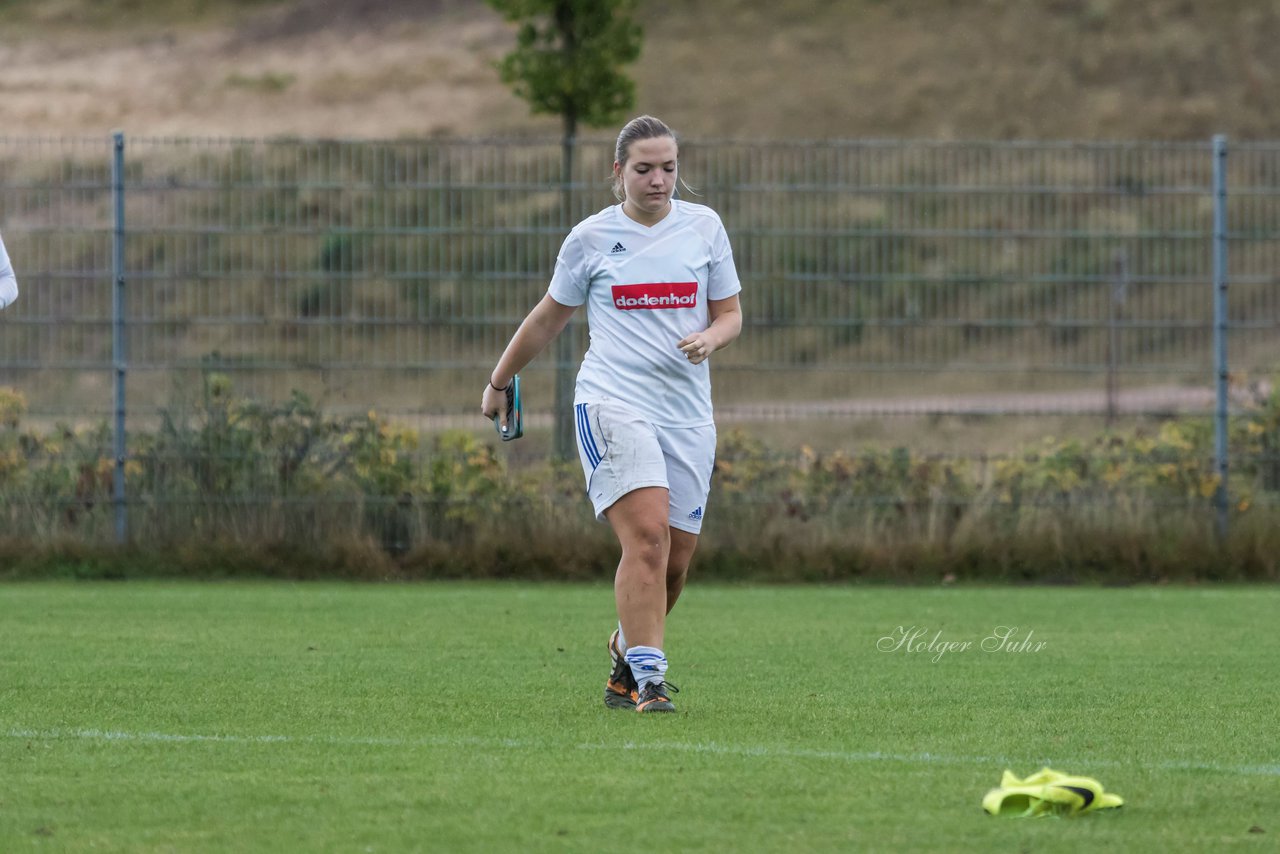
point(467, 717)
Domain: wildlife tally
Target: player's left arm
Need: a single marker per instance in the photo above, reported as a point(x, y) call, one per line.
point(726, 323)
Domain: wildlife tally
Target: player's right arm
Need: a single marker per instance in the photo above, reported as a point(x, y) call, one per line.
point(544, 323)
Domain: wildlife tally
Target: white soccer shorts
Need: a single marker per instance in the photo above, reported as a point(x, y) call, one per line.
point(622, 452)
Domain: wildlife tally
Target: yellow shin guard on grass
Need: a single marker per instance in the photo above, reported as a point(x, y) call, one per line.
point(1048, 792)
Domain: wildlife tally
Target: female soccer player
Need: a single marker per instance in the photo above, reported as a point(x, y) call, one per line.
point(658, 279)
point(8, 282)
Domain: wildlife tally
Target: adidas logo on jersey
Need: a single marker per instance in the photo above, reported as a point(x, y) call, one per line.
point(617, 247)
point(696, 515)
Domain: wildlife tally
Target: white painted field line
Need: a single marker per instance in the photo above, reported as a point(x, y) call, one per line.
point(932, 758)
point(762, 751)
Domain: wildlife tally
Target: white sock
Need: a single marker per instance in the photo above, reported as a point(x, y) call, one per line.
point(648, 664)
point(622, 638)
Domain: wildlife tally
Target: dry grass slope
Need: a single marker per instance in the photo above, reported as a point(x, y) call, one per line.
point(792, 68)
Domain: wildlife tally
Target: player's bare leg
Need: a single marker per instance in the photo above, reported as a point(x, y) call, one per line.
point(621, 690)
point(639, 519)
point(683, 545)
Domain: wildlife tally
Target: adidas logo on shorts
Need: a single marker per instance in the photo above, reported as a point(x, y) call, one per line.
point(617, 247)
point(696, 515)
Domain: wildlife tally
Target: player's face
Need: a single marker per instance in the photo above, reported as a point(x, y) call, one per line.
point(649, 178)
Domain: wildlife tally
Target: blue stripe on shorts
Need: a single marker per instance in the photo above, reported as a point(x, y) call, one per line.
point(585, 438)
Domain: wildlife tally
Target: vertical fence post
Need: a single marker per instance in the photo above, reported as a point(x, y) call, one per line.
point(564, 444)
point(1119, 290)
point(1220, 321)
point(117, 336)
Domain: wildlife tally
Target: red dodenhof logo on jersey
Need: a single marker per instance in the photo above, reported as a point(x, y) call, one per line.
point(655, 295)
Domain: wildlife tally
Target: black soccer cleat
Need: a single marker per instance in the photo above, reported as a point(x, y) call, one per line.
point(653, 697)
point(620, 691)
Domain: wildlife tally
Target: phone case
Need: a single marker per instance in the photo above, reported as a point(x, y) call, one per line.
point(515, 413)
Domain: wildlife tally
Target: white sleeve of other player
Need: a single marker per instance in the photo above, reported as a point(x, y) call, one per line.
point(722, 278)
point(570, 279)
point(8, 281)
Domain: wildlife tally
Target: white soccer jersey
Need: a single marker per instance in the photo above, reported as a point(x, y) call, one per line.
point(646, 288)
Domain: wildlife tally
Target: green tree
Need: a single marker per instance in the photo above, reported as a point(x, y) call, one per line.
point(568, 62)
point(568, 58)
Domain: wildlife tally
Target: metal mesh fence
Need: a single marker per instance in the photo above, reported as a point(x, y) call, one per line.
point(360, 273)
point(1253, 217)
point(884, 282)
point(905, 269)
point(56, 220)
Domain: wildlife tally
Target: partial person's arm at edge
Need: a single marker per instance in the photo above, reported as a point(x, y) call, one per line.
point(8, 281)
point(547, 319)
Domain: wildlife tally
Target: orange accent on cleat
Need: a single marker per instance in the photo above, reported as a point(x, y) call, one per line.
point(653, 698)
point(620, 689)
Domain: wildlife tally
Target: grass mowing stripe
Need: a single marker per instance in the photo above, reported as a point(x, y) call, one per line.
point(660, 747)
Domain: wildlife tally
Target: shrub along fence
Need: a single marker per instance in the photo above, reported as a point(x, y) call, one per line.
point(233, 485)
point(271, 350)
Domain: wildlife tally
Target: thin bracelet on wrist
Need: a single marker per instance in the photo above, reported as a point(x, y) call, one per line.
point(496, 388)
